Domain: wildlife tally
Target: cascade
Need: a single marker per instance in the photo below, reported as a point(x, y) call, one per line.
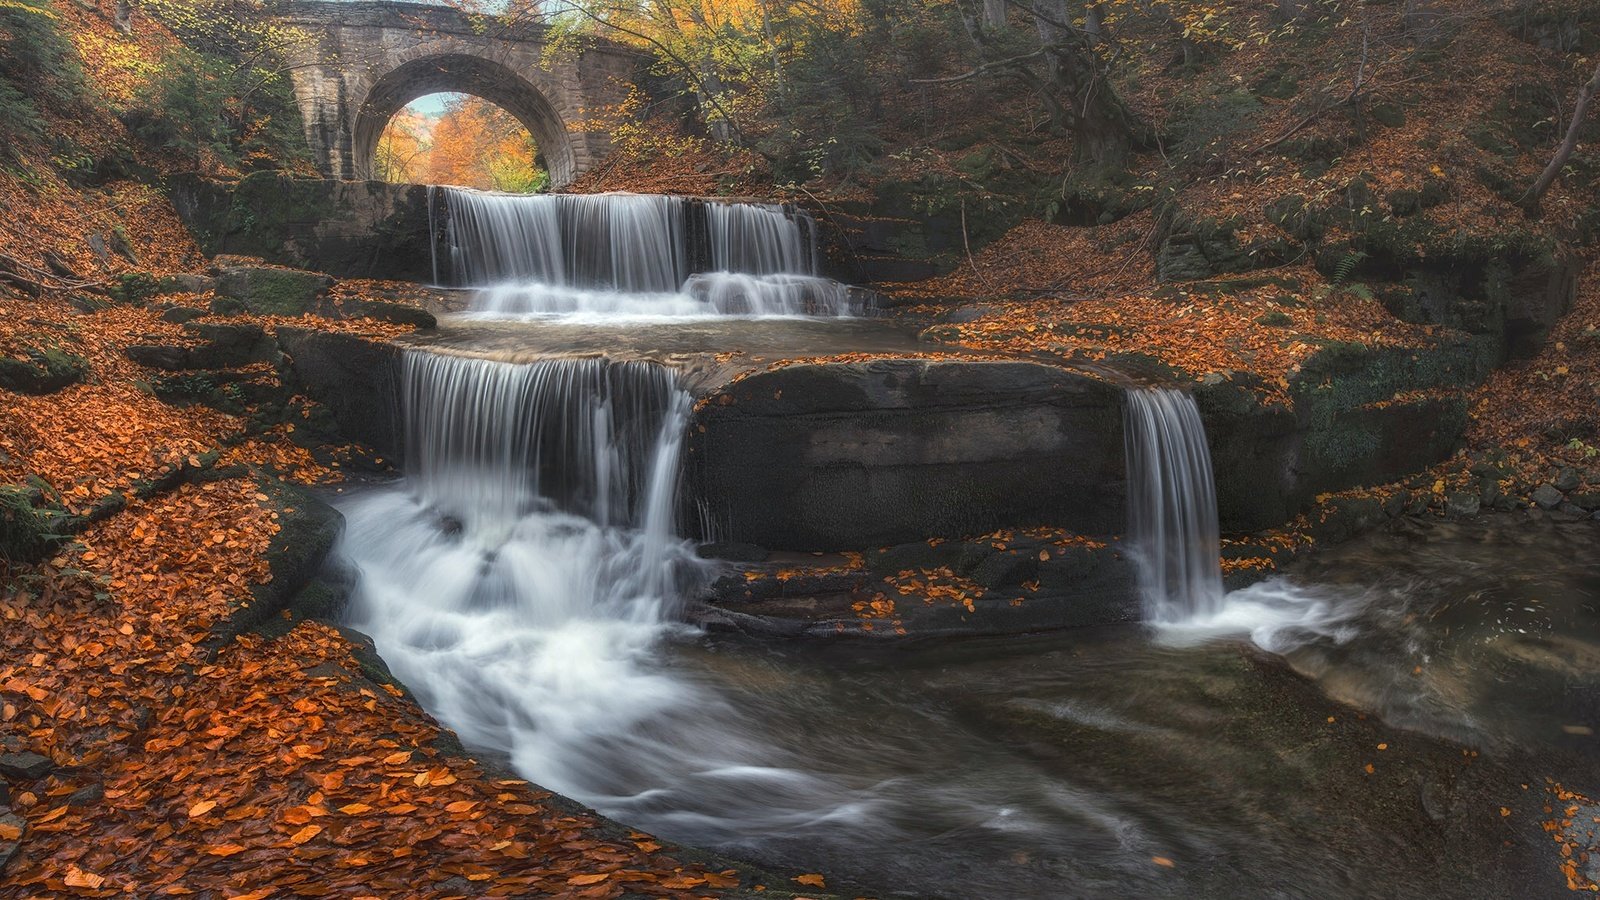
point(523, 580)
point(1172, 506)
point(619, 255)
point(625, 242)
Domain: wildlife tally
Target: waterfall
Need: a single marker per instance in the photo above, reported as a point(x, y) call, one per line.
point(623, 242)
point(523, 581)
point(1172, 506)
point(490, 443)
point(529, 559)
point(761, 239)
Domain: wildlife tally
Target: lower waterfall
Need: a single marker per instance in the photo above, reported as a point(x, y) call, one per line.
point(1172, 506)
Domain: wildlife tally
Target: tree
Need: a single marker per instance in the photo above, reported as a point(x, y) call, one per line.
point(1580, 111)
point(403, 148)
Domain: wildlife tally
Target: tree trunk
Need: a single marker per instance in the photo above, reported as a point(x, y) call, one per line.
point(1102, 125)
point(994, 14)
point(1531, 199)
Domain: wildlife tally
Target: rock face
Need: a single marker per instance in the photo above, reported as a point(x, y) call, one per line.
point(845, 455)
point(355, 378)
point(1362, 415)
point(360, 229)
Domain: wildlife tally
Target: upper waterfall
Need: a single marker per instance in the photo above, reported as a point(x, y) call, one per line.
point(634, 243)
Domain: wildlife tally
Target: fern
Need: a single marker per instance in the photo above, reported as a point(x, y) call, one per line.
point(1347, 266)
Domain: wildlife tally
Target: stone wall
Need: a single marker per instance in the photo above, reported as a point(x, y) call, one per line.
point(351, 229)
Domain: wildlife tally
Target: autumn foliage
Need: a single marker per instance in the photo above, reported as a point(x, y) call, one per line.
point(473, 143)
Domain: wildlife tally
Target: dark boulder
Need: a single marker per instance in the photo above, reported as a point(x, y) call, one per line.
point(846, 455)
point(25, 766)
point(353, 377)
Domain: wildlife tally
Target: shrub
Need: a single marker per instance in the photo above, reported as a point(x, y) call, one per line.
point(207, 108)
point(39, 69)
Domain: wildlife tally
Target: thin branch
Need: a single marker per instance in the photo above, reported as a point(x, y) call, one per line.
point(1530, 200)
point(1009, 62)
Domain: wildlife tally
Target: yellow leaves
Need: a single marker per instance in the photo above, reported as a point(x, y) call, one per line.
point(811, 880)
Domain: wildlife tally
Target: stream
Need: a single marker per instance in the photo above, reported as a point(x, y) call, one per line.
point(1351, 728)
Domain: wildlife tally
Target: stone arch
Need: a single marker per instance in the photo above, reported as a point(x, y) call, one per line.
point(466, 74)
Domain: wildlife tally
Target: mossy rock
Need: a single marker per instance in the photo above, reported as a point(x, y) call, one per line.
point(44, 371)
point(266, 290)
point(29, 527)
point(1275, 319)
point(134, 288)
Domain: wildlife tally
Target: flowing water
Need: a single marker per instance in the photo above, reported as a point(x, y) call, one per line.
point(524, 579)
point(632, 255)
point(1172, 506)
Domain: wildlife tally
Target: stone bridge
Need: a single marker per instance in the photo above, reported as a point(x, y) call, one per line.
point(359, 63)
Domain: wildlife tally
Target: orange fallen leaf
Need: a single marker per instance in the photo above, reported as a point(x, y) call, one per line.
point(811, 879)
point(1162, 861)
point(201, 808)
point(77, 877)
point(581, 880)
point(305, 834)
point(224, 849)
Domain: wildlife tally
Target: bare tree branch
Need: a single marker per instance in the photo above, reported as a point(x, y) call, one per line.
point(1530, 200)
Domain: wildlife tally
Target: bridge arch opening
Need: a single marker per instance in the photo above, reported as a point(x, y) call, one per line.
point(463, 74)
point(460, 140)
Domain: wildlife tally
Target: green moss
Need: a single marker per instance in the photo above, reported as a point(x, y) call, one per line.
point(268, 291)
point(1275, 319)
point(45, 369)
point(28, 528)
point(134, 288)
